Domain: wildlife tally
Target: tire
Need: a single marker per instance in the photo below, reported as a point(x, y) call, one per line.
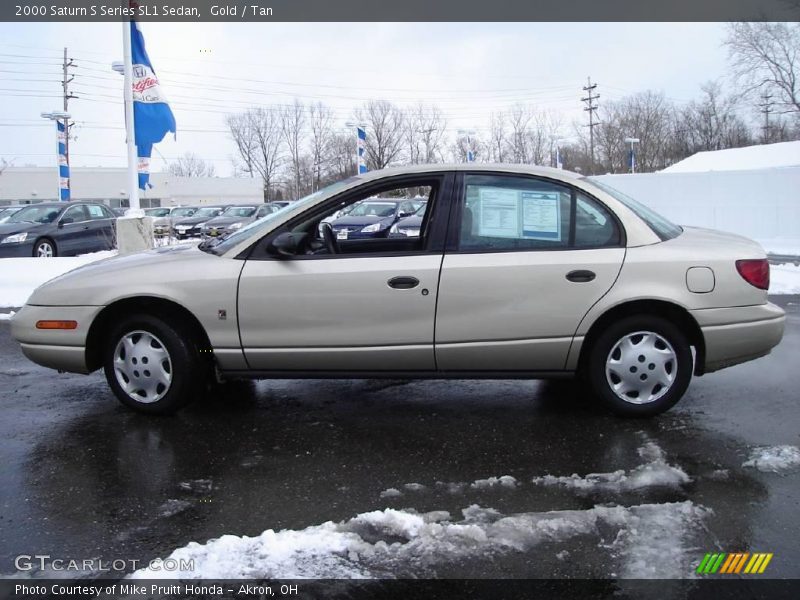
point(142, 341)
point(640, 366)
point(45, 248)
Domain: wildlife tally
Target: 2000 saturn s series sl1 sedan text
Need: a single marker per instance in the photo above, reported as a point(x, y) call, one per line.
point(517, 272)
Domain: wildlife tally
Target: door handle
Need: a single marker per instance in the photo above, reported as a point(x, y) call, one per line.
point(403, 283)
point(581, 276)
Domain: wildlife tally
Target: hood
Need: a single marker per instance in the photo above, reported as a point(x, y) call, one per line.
point(223, 221)
point(160, 221)
point(92, 281)
point(413, 221)
point(12, 228)
point(348, 221)
point(191, 220)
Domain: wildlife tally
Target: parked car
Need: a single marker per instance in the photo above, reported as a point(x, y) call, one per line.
point(521, 272)
point(279, 203)
point(192, 226)
point(58, 229)
point(231, 219)
point(372, 218)
point(7, 211)
point(409, 226)
point(119, 211)
point(163, 217)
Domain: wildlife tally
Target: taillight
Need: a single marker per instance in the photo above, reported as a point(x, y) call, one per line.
point(754, 271)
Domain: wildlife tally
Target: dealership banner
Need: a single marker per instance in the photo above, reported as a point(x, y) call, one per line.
point(63, 162)
point(409, 10)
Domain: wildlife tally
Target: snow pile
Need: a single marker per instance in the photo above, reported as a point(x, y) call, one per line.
point(651, 540)
point(784, 279)
point(20, 276)
point(391, 493)
point(456, 487)
point(761, 156)
point(7, 316)
point(655, 473)
point(506, 481)
point(172, 507)
point(774, 459)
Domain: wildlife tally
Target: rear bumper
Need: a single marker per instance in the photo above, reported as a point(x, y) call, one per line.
point(739, 334)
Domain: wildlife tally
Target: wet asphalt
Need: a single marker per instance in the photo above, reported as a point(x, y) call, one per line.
point(83, 477)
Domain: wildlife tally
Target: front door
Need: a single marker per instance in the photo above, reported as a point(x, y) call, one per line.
point(532, 258)
point(367, 307)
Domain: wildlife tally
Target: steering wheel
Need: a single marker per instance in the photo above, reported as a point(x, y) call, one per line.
point(331, 244)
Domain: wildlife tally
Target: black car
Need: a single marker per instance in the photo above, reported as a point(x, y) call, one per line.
point(372, 218)
point(233, 218)
point(7, 211)
point(192, 226)
point(58, 229)
point(409, 226)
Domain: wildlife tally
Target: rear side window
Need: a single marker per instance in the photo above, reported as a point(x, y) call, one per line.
point(505, 213)
point(96, 211)
point(661, 226)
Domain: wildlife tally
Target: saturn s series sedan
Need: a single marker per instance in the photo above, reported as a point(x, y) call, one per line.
point(518, 272)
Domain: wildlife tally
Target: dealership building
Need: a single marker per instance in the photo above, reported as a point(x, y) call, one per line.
point(28, 185)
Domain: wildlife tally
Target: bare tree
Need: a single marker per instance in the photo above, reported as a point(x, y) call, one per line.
point(711, 123)
point(424, 128)
point(257, 135)
point(321, 124)
point(342, 158)
point(384, 123)
point(243, 136)
point(292, 123)
point(191, 165)
point(498, 134)
point(519, 118)
point(766, 56)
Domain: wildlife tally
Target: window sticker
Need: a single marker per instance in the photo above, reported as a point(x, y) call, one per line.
point(499, 213)
point(541, 216)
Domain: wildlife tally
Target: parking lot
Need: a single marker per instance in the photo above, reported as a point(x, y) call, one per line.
point(82, 477)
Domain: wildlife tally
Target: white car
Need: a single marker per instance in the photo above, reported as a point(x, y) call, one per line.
point(517, 272)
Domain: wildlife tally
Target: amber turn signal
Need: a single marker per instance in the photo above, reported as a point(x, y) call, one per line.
point(56, 324)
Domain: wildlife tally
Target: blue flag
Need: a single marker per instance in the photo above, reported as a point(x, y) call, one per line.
point(63, 164)
point(152, 116)
point(361, 145)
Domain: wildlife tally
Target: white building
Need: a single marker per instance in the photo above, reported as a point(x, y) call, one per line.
point(25, 185)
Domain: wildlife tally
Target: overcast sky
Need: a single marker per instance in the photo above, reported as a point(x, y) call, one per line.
point(210, 69)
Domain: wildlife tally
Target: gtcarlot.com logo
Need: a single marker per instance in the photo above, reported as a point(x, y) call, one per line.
point(45, 562)
point(734, 563)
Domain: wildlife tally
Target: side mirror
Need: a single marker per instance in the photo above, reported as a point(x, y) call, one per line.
point(285, 244)
point(402, 214)
point(65, 221)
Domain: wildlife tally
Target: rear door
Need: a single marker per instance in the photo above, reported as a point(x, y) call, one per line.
point(103, 227)
point(526, 259)
point(73, 234)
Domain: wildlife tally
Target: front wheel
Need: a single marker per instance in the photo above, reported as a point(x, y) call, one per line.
point(45, 248)
point(640, 366)
point(153, 366)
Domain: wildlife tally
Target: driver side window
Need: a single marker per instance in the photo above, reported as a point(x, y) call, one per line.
point(375, 221)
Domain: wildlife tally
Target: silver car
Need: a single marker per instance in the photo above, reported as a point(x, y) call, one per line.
point(518, 272)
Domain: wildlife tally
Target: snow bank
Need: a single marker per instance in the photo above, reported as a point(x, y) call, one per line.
point(774, 459)
point(20, 276)
point(655, 473)
point(784, 279)
point(650, 540)
point(760, 156)
point(7, 316)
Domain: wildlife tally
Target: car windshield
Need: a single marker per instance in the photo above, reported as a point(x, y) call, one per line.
point(421, 210)
point(373, 209)
point(208, 211)
point(156, 212)
point(239, 211)
point(36, 214)
point(662, 227)
point(182, 212)
point(260, 224)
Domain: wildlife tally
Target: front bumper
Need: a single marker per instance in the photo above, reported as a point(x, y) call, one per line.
point(739, 334)
point(187, 233)
point(64, 350)
point(17, 250)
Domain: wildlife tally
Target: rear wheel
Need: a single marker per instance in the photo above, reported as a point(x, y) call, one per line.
point(153, 366)
point(640, 366)
point(45, 248)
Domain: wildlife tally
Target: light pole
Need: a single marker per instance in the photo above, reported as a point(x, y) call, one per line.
point(125, 69)
point(60, 117)
point(469, 133)
point(632, 155)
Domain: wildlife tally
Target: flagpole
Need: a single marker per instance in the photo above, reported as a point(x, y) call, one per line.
point(133, 161)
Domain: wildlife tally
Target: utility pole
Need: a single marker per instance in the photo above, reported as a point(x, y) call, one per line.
point(65, 81)
point(766, 108)
point(591, 108)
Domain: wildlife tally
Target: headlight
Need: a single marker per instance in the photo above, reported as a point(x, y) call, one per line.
point(15, 239)
point(371, 228)
point(393, 229)
point(236, 226)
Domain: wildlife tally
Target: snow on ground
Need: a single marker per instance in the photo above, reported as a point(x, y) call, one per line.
point(644, 541)
point(784, 246)
point(20, 276)
point(760, 156)
point(655, 473)
point(784, 279)
point(774, 459)
point(7, 316)
point(506, 481)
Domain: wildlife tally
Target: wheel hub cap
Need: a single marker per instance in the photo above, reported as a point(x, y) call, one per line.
point(641, 367)
point(142, 366)
point(45, 250)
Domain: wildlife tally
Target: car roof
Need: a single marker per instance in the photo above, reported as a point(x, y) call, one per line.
point(470, 166)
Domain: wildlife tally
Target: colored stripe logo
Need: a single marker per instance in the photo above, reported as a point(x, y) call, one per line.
point(734, 563)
